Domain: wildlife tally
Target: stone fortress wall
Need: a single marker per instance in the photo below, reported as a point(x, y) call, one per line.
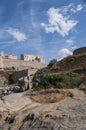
point(7, 63)
point(13, 62)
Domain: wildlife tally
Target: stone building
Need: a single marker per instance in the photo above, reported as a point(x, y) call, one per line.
point(32, 58)
point(8, 56)
point(10, 61)
point(79, 51)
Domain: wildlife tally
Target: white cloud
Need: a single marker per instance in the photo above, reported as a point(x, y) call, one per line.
point(64, 52)
point(19, 36)
point(73, 47)
point(66, 9)
point(78, 8)
point(70, 41)
point(59, 22)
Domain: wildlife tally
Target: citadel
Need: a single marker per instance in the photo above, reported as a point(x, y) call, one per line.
point(26, 61)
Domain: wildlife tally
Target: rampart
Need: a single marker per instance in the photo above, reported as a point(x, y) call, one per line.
point(20, 64)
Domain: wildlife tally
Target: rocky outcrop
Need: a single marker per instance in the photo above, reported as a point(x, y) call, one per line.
point(83, 87)
point(24, 83)
point(15, 76)
point(80, 51)
point(16, 81)
point(21, 86)
point(4, 77)
point(20, 112)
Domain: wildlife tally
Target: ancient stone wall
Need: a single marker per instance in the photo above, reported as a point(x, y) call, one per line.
point(19, 64)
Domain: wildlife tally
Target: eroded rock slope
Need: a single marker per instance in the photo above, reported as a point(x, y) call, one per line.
point(45, 110)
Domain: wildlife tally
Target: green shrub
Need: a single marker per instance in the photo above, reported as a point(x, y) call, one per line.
point(70, 80)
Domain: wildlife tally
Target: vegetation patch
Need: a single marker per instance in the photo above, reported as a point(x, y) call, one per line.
point(61, 81)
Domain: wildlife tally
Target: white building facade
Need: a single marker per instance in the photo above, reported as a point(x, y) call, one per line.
point(27, 57)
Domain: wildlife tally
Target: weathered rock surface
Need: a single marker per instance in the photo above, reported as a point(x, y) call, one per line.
point(21, 86)
point(83, 87)
point(21, 111)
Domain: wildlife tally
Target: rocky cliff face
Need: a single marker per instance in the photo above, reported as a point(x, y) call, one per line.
point(45, 110)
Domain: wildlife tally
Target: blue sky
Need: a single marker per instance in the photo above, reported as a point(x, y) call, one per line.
point(49, 28)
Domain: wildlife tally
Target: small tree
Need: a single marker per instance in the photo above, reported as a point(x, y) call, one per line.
point(51, 63)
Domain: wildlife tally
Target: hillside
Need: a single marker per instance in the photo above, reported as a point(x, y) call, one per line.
point(71, 63)
point(56, 101)
point(70, 72)
point(74, 63)
point(68, 64)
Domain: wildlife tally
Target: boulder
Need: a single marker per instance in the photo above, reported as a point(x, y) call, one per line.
point(23, 83)
point(4, 91)
point(15, 76)
point(82, 87)
point(17, 89)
